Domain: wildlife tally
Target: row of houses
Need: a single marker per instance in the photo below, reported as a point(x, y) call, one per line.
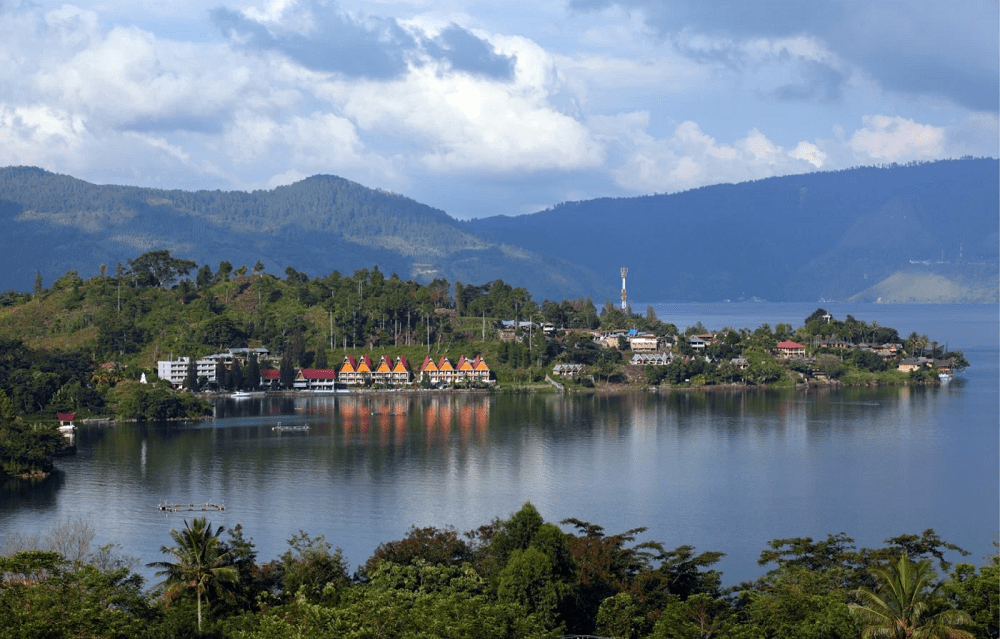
point(354, 371)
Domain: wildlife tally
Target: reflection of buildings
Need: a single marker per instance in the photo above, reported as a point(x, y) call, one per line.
point(437, 416)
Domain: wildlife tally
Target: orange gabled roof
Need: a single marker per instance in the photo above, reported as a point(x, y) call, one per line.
point(428, 364)
point(366, 365)
point(384, 365)
point(480, 364)
point(464, 364)
point(401, 366)
point(444, 364)
point(349, 366)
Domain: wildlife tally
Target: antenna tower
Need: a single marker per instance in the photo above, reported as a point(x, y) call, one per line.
point(624, 299)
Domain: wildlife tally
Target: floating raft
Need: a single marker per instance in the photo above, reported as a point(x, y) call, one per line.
point(177, 508)
point(299, 428)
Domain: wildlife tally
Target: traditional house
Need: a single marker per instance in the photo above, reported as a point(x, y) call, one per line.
point(446, 371)
point(740, 363)
point(567, 370)
point(348, 373)
point(651, 359)
point(382, 375)
point(790, 350)
point(481, 370)
point(430, 369)
point(471, 370)
point(401, 374)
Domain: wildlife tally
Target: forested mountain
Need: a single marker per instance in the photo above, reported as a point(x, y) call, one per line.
point(915, 233)
point(926, 233)
point(56, 223)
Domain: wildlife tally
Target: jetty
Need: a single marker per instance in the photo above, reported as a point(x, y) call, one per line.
point(176, 508)
point(293, 428)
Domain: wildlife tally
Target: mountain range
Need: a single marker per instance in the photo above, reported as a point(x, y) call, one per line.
point(916, 233)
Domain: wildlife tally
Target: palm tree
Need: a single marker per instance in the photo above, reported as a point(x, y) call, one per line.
point(897, 610)
point(200, 563)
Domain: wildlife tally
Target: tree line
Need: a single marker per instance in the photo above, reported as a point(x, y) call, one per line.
point(514, 577)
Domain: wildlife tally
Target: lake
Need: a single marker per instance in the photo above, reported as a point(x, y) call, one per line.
point(723, 471)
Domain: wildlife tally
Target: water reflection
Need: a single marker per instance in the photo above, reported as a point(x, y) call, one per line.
point(721, 470)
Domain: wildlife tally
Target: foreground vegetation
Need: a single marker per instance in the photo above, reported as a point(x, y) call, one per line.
point(518, 577)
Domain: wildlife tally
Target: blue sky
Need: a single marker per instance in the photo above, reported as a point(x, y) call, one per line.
point(486, 108)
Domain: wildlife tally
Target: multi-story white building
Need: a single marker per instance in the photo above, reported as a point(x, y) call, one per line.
point(175, 370)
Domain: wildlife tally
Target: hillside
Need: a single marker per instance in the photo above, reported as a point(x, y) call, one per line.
point(56, 223)
point(922, 233)
point(795, 238)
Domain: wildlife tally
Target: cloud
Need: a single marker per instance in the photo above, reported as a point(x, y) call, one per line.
point(911, 46)
point(322, 38)
point(691, 158)
point(466, 52)
point(896, 139)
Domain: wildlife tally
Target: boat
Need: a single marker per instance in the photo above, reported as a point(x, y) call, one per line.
point(242, 395)
point(298, 428)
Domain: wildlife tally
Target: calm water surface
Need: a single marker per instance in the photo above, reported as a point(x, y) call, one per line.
point(720, 471)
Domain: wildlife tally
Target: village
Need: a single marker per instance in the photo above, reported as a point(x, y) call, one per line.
point(634, 350)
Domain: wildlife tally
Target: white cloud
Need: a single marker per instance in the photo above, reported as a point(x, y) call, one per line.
point(896, 139)
point(810, 153)
point(465, 122)
point(691, 158)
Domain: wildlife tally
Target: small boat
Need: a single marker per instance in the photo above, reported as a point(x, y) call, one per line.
point(299, 428)
point(242, 395)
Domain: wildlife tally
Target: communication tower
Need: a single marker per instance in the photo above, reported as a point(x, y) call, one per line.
point(624, 299)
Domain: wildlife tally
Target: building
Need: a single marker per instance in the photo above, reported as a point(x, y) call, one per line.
point(567, 370)
point(175, 371)
point(644, 342)
point(315, 379)
point(790, 350)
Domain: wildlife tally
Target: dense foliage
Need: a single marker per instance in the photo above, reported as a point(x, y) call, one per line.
point(515, 577)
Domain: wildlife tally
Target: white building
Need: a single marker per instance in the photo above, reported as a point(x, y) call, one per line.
point(175, 371)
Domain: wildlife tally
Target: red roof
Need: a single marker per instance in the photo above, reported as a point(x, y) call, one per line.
point(65, 417)
point(790, 345)
point(319, 373)
point(271, 373)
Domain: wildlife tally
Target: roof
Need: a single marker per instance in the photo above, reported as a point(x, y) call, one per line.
point(318, 373)
point(65, 417)
point(790, 345)
point(271, 373)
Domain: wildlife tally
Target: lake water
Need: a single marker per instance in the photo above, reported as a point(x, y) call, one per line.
point(721, 471)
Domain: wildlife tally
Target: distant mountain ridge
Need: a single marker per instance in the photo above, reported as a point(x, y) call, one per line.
point(794, 238)
point(926, 232)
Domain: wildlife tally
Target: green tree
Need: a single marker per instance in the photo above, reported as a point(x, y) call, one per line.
point(191, 378)
point(25, 448)
point(200, 564)
point(905, 595)
point(978, 594)
point(158, 268)
point(286, 372)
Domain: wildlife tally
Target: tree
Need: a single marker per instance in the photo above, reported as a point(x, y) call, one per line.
point(252, 377)
point(286, 372)
point(191, 378)
point(200, 564)
point(158, 268)
point(905, 595)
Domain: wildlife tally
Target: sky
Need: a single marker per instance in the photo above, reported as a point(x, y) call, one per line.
point(488, 108)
